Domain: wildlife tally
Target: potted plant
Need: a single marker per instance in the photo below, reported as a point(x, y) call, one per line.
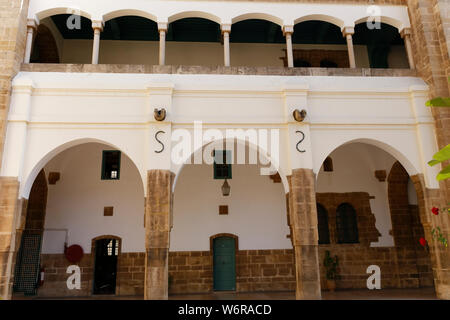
point(331, 264)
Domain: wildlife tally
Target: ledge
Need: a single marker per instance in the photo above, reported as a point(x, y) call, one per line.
point(272, 71)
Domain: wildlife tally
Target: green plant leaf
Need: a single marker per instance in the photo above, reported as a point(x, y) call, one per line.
point(441, 155)
point(439, 102)
point(444, 174)
point(433, 162)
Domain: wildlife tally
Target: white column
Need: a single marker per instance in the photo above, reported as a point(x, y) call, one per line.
point(348, 33)
point(226, 29)
point(98, 27)
point(31, 28)
point(17, 128)
point(406, 35)
point(162, 28)
point(288, 31)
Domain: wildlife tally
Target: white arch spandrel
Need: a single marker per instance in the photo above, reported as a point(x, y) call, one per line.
point(35, 161)
point(275, 168)
point(407, 154)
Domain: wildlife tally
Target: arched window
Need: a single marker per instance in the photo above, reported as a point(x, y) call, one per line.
point(328, 165)
point(346, 224)
point(322, 219)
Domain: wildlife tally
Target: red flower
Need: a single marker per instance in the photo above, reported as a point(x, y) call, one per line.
point(423, 242)
point(435, 211)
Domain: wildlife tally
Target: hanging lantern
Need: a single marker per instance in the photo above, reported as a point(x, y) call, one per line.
point(226, 189)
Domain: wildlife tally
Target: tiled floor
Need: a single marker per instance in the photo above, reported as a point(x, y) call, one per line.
point(386, 294)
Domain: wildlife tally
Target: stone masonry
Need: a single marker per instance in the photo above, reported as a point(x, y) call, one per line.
point(303, 224)
point(158, 208)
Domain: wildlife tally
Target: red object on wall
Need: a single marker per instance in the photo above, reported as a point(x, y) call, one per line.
point(423, 242)
point(74, 253)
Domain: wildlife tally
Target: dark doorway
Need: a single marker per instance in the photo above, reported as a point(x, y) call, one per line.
point(106, 254)
point(224, 264)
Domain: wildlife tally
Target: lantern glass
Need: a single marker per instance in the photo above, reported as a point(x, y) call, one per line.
point(226, 189)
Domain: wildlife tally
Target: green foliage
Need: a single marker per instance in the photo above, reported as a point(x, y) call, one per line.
point(331, 265)
point(437, 234)
point(441, 156)
point(439, 102)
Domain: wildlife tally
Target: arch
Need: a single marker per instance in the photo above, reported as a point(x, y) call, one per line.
point(63, 10)
point(383, 19)
point(129, 12)
point(94, 240)
point(259, 16)
point(394, 152)
point(219, 235)
point(29, 180)
point(328, 164)
point(322, 224)
point(177, 170)
point(118, 275)
point(45, 49)
point(346, 224)
point(321, 17)
point(194, 14)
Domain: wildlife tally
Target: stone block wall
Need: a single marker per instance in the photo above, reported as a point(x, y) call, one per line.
point(256, 270)
point(360, 201)
point(190, 272)
point(265, 270)
point(130, 275)
point(406, 265)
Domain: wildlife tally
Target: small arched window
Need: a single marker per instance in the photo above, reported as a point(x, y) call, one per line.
point(322, 225)
point(328, 165)
point(325, 63)
point(300, 63)
point(346, 224)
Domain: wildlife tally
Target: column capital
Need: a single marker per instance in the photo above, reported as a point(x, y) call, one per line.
point(162, 26)
point(225, 27)
point(348, 31)
point(32, 24)
point(405, 32)
point(98, 25)
point(288, 29)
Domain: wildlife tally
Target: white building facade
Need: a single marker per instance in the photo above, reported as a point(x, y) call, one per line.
point(314, 152)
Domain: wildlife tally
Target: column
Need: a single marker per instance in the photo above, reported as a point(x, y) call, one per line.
point(288, 31)
point(158, 208)
point(406, 35)
point(348, 32)
point(162, 28)
point(303, 225)
point(226, 29)
point(10, 173)
point(31, 28)
point(98, 27)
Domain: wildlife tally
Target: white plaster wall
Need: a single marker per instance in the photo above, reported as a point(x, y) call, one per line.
point(354, 168)
point(206, 53)
point(77, 200)
point(257, 209)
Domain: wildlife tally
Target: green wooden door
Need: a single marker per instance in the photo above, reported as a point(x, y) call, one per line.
point(224, 264)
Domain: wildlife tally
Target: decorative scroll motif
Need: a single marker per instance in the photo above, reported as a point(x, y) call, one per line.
point(301, 140)
point(159, 141)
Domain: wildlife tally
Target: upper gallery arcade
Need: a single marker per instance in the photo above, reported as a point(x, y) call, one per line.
point(219, 34)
